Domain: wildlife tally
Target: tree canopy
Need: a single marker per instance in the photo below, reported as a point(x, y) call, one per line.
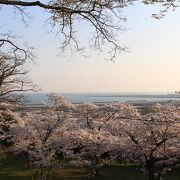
point(102, 16)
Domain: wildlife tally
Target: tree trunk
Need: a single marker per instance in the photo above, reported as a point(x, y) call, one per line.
point(95, 172)
point(95, 168)
point(150, 168)
point(41, 174)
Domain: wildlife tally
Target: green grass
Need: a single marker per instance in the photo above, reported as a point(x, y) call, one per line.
point(17, 169)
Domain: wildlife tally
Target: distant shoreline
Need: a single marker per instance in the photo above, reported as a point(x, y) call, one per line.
point(140, 96)
point(39, 98)
point(138, 104)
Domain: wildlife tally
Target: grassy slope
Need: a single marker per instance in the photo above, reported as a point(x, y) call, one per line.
point(11, 169)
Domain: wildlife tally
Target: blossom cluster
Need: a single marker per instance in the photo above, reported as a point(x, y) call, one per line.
point(94, 135)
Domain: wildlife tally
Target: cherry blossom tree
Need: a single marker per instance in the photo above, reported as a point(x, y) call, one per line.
point(96, 133)
point(89, 135)
point(8, 119)
point(40, 137)
point(153, 140)
point(90, 148)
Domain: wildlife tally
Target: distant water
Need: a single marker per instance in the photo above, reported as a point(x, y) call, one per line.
point(38, 98)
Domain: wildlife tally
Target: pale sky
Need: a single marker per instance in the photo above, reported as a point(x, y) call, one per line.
point(152, 65)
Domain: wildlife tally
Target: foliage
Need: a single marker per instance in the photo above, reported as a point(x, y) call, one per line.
point(92, 136)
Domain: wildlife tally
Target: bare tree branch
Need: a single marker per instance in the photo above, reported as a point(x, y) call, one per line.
point(13, 73)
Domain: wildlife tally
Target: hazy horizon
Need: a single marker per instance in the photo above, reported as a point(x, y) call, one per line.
point(105, 92)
